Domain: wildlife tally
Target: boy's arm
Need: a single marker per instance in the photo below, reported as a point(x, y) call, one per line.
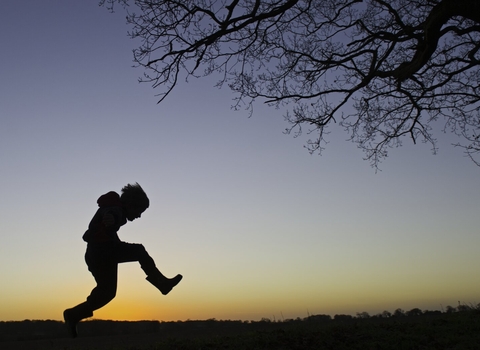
point(112, 217)
point(108, 219)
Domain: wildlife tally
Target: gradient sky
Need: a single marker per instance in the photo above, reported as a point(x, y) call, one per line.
point(257, 225)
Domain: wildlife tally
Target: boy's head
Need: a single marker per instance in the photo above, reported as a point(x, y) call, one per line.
point(135, 200)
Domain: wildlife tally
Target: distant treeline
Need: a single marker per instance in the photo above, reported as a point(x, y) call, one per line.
point(49, 329)
point(385, 314)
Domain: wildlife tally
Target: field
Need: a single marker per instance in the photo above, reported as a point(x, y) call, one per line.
point(449, 331)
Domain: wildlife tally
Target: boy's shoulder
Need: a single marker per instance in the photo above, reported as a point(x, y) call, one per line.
point(110, 199)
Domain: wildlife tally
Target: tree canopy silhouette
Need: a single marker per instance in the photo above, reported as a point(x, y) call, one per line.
point(382, 70)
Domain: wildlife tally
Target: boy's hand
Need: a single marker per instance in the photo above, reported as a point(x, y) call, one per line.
point(108, 219)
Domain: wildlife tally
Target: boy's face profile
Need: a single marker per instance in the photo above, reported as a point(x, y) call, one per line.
point(134, 213)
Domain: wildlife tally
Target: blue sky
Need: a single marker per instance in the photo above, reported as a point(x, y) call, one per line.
point(257, 225)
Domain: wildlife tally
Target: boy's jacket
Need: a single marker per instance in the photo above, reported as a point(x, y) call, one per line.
point(99, 233)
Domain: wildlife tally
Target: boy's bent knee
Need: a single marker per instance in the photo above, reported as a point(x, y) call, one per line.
point(129, 249)
point(141, 252)
point(140, 247)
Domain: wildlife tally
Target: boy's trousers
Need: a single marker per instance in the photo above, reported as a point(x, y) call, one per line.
point(103, 259)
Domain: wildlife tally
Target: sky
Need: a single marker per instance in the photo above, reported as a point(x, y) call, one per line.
point(258, 227)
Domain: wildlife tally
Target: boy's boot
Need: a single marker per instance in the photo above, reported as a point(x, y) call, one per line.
point(163, 283)
point(74, 315)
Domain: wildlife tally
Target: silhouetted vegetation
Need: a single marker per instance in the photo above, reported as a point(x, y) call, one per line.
point(382, 70)
point(454, 328)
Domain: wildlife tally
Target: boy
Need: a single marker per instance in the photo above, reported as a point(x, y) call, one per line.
point(105, 251)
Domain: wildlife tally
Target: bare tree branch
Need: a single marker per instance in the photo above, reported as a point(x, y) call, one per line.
point(382, 70)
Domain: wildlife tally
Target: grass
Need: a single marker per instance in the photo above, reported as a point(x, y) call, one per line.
point(459, 331)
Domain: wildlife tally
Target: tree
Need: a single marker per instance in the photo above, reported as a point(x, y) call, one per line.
point(399, 313)
point(386, 314)
point(450, 309)
point(363, 314)
point(342, 317)
point(414, 312)
point(382, 70)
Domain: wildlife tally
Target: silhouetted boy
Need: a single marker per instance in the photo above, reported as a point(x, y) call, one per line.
point(105, 251)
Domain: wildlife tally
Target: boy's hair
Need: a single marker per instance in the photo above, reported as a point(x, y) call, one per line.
point(135, 196)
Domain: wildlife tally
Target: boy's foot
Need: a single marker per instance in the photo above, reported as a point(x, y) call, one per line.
point(70, 322)
point(172, 282)
point(76, 314)
point(165, 285)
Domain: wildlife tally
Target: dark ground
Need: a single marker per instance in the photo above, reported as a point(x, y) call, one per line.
point(446, 331)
